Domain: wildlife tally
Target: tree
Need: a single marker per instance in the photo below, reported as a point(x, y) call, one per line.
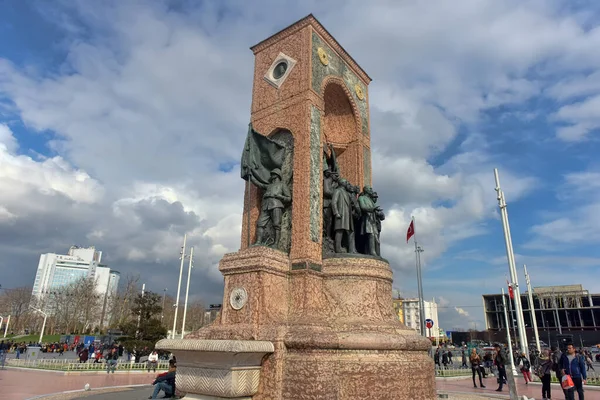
point(144, 331)
point(15, 302)
point(119, 306)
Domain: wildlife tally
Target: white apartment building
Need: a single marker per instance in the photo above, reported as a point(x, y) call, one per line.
point(57, 270)
point(412, 316)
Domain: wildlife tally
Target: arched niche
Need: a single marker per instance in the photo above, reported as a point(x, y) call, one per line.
point(340, 128)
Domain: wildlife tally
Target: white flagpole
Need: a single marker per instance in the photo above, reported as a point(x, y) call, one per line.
point(510, 351)
point(418, 251)
point(510, 255)
point(179, 287)
point(532, 310)
point(187, 291)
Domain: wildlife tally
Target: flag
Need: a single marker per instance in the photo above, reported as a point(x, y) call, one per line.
point(511, 293)
point(261, 155)
point(411, 231)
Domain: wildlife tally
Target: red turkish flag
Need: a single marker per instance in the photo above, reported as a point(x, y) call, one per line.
point(511, 293)
point(411, 231)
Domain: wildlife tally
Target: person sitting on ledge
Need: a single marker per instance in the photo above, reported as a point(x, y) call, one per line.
point(165, 382)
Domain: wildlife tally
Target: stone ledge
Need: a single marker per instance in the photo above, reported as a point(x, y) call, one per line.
point(221, 346)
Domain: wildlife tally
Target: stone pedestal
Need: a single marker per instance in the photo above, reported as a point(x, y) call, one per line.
point(218, 369)
point(333, 332)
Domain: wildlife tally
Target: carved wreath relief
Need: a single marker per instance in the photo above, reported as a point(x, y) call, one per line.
point(238, 298)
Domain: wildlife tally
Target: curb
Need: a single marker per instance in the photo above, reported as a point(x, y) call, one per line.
point(41, 396)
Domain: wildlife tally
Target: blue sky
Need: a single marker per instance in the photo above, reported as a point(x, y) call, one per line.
point(122, 122)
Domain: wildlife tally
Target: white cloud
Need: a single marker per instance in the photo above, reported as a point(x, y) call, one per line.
point(152, 105)
point(23, 179)
point(461, 311)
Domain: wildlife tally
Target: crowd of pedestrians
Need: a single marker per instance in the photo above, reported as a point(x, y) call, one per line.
point(570, 368)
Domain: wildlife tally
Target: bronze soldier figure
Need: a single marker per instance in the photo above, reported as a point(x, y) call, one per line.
point(276, 194)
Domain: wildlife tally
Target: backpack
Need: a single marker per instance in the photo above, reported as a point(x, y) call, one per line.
point(555, 361)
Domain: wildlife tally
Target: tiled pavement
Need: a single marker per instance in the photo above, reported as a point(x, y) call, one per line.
point(18, 384)
point(21, 384)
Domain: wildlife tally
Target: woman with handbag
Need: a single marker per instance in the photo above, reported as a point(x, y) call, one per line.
point(544, 372)
point(476, 367)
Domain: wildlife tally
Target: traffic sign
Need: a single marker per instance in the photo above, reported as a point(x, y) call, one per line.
point(429, 323)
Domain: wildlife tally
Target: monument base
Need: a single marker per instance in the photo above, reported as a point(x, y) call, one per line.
point(325, 334)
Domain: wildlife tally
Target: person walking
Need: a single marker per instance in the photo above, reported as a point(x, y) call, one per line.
point(152, 361)
point(544, 372)
point(589, 363)
point(464, 359)
point(573, 364)
point(111, 360)
point(500, 360)
point(476, 368)
point(525, 367)
point(445, 359)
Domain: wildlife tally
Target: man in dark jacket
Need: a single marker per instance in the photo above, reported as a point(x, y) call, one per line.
point(573, 364)
point(165, 382)
point(501, 365)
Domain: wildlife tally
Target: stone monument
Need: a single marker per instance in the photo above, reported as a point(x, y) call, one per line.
point(307, 307)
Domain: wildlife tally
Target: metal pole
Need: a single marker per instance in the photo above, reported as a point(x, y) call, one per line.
point(187, 291)
point(179, 287)
point(512, 358)
point(421, 296)
point(556, 314)
point(532, 310)
point(511, 265)
point(162, 313)
point(43, 326)
point(418, 251)
point(6, 327)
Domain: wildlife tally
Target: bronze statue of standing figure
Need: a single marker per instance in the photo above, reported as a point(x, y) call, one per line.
point(341, 205)
point(368, 221)
point(274, 199)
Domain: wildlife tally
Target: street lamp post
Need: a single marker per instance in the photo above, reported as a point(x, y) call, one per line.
point(43, 325)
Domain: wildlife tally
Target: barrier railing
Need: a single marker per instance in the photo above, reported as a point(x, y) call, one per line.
point(65, 365)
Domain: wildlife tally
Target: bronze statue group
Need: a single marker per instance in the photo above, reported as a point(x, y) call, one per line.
point(351, 219)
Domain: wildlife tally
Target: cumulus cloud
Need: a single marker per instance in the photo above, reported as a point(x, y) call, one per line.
point(147, 118)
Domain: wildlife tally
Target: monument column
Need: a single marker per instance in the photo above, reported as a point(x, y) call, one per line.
point(300, 320)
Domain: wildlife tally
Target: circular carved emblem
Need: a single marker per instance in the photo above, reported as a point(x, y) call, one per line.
point(238, 298)
point(359, 92)
point(323, 56)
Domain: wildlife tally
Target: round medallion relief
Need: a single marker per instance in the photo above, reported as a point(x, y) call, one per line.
point(359, 92)
point(323, 56)
point(238, 298)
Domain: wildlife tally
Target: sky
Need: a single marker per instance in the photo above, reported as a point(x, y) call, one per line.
point(122, 125)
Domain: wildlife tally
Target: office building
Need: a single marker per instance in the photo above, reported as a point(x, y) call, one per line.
point(407, 311)
point(57, 270)
point(566, 309)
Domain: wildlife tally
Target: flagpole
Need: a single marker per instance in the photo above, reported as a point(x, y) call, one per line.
point(510, 352)
point(418, 251)
point(510, 255)
point(179, 287)
point(532, 310)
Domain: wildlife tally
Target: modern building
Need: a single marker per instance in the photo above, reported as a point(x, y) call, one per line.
point(566, 309)
point(57, 270)
point(407, 311)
